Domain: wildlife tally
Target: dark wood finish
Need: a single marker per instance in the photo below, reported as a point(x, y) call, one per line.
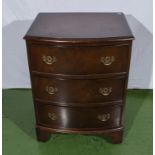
point(79, 60)
point(78, 91)
point(66, 52)
point(42, 135)
point(67, 117)
point(116, 134)
point(80, 26)
point(117, 137)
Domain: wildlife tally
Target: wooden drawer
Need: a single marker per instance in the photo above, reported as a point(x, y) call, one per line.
point(79, 65)
point(78, 91)
point(63, 117)
point(79, 60)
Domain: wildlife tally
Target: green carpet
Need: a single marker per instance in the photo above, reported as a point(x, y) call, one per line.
point(19, 133)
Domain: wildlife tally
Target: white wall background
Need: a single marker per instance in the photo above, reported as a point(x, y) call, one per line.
point(19, 14)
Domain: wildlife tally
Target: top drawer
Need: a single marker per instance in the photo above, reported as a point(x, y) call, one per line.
point(79, 60)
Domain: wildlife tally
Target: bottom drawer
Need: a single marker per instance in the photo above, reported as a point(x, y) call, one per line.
point(69, 117)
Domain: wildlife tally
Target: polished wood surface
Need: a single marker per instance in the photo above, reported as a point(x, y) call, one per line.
point(79, 60)
point(65, 117)
point(78, 91)
point(79, 66)
point(80, 26)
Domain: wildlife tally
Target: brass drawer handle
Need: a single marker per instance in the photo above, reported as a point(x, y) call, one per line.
point(104, 117)
point(52, 116)
point(107, 60)
point(49, 60)
point(105, 91)
point(51, 90)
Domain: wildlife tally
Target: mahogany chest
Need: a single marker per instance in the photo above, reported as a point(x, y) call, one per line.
point(79, 66)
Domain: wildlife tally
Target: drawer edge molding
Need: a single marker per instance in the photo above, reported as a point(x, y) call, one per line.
point(71, 104)
point(69, 76)
point(79, 42)
point(81, 131)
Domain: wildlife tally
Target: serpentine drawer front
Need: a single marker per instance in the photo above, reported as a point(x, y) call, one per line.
point(78, 91)
point(66, 117)
point(79, 66)
point(79, 60)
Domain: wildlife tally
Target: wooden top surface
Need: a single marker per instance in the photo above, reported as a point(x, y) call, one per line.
point(66, 26)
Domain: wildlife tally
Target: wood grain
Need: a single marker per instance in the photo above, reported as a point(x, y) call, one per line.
point(77, 42)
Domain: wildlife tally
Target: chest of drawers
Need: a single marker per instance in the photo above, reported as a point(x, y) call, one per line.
point(79, 65)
